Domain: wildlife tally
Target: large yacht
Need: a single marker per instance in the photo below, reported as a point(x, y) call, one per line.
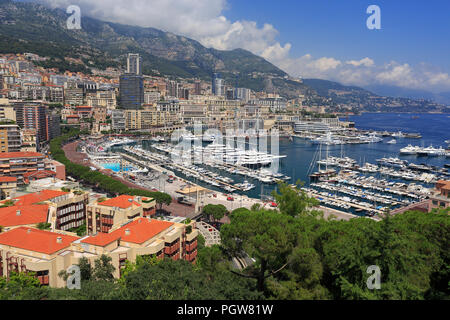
point(410, 150)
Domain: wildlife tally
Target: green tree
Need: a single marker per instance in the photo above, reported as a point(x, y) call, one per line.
point(266, 236)
point(43, 226)
point(103, 269)
point(294, 201)
point(214, 212)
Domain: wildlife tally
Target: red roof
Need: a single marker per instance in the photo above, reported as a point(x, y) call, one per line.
point(29, 214)
point(39, 173)
point(37, 197)
point(36, 240)
point(7, 155)
point(140, 230)
point(101, 239)
point(122, 202)
point(8, 179)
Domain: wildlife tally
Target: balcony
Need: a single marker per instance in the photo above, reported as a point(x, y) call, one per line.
point(190, 257)
point(171, 249)
point(191, 247)
point(44, 280)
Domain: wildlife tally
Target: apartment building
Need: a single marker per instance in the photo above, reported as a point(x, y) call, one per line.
point(47, 253)
point(149, 118)
point(16, 164)
point(7, 113)
point(28, 140)
point(441, 196)
point(118, 120)
point(32, 116)
point(66, 210)
point(8, 186)
point(10, 139)
point(107, 215)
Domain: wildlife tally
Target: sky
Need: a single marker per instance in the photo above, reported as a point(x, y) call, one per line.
point(327, 39)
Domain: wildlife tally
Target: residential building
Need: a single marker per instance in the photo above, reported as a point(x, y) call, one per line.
point(73, 95)
point(10, 139)
point(134, 64)
point(8, 186)
point(33, 116)
point(48, 253)
point(217, 85)
point(16, 164)
point(118, 120)
point(28, 140)
point(7, 113)
point(104, 216)
point(441, 195)
point(53, 126)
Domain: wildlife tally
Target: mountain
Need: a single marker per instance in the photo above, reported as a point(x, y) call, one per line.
point(30, 27)
point(394, 91)
point(341, 97)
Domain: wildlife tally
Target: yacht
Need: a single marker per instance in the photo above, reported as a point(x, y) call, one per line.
point(393, 141)
point(189, 137)
point(410, 150)
point(398, 135)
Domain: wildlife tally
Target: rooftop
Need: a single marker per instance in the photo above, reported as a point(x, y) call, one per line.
point(8, 155)
point(123, 202)
point(36, 240)
point(138, 231)
point(8, 179)
point(33, 198)
point(23, 215)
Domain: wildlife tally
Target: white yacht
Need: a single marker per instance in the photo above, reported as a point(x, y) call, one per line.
point(410, 150)
point(393, 141)
point(398, 135)
point(189, 137)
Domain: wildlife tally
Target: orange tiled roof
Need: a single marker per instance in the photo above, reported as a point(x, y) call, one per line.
point(36, 240)
point(7, 155)
point(141, 230)
point(37, 197)
point(122, 202)
point(101, 239)
point(8, 179)
point(39, 173)
point(29, 214)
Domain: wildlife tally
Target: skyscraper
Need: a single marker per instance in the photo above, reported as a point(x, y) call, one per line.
point(131, 91)
point(134, 64)
point(217, 85)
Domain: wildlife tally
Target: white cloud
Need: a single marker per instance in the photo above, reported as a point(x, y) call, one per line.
point(204, 21)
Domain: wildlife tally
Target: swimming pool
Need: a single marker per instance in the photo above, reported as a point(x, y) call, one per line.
point(116, 167)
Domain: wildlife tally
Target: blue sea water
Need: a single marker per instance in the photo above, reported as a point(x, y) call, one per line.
point(434, 128)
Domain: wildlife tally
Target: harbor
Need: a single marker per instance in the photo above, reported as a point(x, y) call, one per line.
point(364, 178)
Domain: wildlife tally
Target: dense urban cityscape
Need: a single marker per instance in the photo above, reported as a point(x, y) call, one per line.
point(146, 185)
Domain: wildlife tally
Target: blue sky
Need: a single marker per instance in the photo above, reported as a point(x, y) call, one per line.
point(325, 39)
point(412, 31)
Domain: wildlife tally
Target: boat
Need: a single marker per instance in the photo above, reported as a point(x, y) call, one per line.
point(409, 150)
point(398, 135)
point(393, 141)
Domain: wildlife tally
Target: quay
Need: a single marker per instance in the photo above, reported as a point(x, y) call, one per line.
point(181, 168)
